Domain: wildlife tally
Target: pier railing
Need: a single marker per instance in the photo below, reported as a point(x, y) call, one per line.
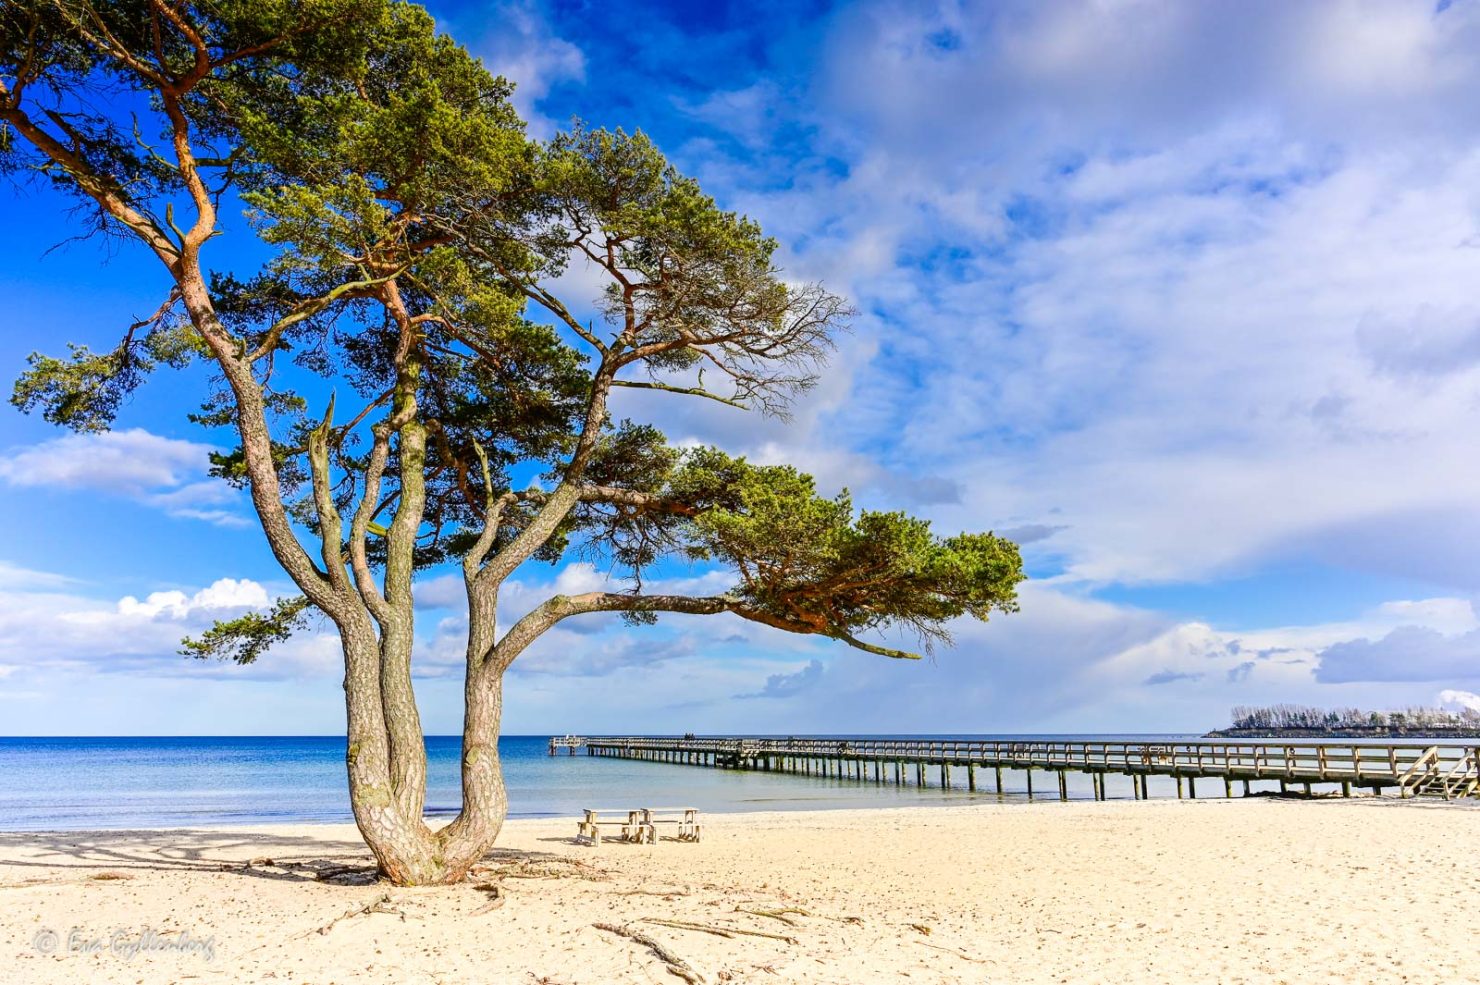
point(1413, 767)
point(570, 743)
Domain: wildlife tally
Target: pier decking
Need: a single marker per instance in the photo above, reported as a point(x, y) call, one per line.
point(1413, 769)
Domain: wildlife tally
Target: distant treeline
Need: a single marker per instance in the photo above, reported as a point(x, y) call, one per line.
point(1299, 716)
point(1299, 720)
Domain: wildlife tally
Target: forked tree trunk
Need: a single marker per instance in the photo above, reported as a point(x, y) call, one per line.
point(407, 851)
point(404, 847)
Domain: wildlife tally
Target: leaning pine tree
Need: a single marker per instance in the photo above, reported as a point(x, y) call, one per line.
point(417, 238)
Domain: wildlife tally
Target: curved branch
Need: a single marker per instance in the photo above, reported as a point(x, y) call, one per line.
point(552, 611)
point(616, 496)
point(95, 186)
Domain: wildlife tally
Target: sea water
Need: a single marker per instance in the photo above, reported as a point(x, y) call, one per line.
point(86, 783)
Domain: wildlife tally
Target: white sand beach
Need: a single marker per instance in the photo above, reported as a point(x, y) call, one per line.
point(1257, 890)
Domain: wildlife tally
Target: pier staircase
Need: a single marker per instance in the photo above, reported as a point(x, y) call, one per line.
point(1430, 776)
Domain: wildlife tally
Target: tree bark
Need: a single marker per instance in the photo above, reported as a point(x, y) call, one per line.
point(485, 802)
point(403, 845)
point(407, 851)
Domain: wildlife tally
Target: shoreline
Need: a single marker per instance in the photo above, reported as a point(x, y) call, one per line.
point(952, 799)
point(1246, 890)
point(964, 801)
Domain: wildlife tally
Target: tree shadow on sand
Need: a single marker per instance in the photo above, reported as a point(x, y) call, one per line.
point(99, 855)
point(262, 856)
point(81, 855)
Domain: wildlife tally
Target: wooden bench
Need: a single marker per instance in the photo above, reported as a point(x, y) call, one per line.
point(631, 823)
point(639, 826)
point(685, 819)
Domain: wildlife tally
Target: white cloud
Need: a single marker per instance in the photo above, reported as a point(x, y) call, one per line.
point(166, 473)
point(1191, 283)
point(132, 461)
point(225, 593)
point(1408, 653)
point(1067, 663)
point(521, 45)
point(49, 631)
point(15, 577)
point(1465, 699)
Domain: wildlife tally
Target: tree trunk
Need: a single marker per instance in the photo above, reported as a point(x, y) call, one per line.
point(408, 750)
point(485, 803)
point(407, 851)
point(404, 847)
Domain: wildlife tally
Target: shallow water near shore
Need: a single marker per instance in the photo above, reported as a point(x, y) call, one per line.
point(92, 783)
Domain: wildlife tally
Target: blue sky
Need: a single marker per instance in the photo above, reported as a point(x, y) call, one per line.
point(1184, 296)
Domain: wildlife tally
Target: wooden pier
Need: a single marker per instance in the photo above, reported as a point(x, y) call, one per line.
point(570, 743)
point(1413, 769)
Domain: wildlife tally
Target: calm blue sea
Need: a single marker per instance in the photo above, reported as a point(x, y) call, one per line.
point(82, 783)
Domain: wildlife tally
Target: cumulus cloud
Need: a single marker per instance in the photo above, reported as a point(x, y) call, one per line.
point(132, 461)
point(1465, 699)
point(1070, 663)
point(225, 593)
point(1428, 343)
point(165, 473)
point(50, 628)
point(1031, 533)
point(1172, 270)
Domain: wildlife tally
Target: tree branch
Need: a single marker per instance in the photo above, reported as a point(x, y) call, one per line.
point(565, 496)
point(553, 610)
point(96, 187)
point(330, 525)
point(313, 306)
point(692, 391)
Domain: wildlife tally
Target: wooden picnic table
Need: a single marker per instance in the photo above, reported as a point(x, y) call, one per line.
point(639, 825)
point(631, 822)
point(686, 819)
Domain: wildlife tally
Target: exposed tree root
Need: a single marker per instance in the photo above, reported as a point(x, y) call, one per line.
point(349, 875)
point(556, 868)
point(381, 904)
point(780, 914)
point(717, 931)
point(496, 898)
point(676, 965)
point(951, 950)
